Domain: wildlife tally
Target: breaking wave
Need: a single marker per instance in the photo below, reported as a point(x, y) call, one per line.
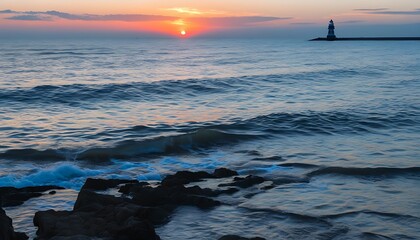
point(174, 139)
point(182, 143)
point(86, 93)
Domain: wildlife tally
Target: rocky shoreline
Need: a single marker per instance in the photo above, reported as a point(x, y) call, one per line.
point(134, 214)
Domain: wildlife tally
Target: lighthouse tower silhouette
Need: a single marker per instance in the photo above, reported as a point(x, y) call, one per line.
point(331, 35)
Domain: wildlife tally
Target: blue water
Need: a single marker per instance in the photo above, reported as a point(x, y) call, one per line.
point(143, 109)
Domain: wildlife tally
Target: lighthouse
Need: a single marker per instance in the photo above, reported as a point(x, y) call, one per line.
point(331, 35)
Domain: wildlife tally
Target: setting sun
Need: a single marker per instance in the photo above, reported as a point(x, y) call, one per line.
point(183, 33)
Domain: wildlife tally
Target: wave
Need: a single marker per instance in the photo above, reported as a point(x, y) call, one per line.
point(203, 138)
point(171, 139)
point(72, 53)
point(384, 214)
point(87, 93)
point(310, 123)
point(175, 144)
point(378, 171)
point(33, 154)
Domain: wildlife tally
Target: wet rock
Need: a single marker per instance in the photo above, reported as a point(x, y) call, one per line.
point(174, 196)
point(103, 184)
point(272, 158)
point(99, 224)
point(129, 187)
point(172, 191)
point(6, 228)
point(244, 182)
point(11, 196)
point(91, 201)
point(268, 187)
point(288, 180)
point(88, 201)
point(108, 217)
point(184, 177)
point(224, 172)
point(100, 216)
point(235, 237)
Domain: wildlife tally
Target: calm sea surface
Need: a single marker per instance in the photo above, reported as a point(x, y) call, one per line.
point(341, 119)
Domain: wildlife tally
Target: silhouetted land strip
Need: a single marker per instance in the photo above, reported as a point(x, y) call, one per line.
point(370, 39)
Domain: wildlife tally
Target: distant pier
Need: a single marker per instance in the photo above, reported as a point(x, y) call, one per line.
point(331, 37)
point(370, 39)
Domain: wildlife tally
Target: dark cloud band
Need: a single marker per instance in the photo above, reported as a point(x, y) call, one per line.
point(36, 16)
point(48, 15)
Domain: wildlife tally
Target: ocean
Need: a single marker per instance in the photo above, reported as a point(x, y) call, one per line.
point(340, 119)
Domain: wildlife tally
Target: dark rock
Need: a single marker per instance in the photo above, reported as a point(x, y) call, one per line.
point(288, 180)
point(174, 196)
point(10, 196)
point(229, 191)
point(100, 216)
point(103, 184)
point(16, 199)
point(129, 187)
point(6, 228)
point(172, 191)
point(98, 224)
point(52, 192)
point(272, 158)
point(224, 172)
point(90, 201)
point(235, 237)
point(184, 177)
point(108, 217)
point(244, 182)
point(268, 187)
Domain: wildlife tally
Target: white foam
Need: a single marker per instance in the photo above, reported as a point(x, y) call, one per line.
point(65, 174)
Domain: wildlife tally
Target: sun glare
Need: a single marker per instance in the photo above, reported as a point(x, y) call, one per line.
point(183, 33)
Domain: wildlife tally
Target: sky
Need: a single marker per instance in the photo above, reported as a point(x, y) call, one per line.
point(211, 18)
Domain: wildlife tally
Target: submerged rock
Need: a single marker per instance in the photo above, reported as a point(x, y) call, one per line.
point(174, 196)
point(224, 172)
point(129, 187)
point(235, 237)
point(10, 196)
point(98, 224)
point(103, 184)
point(244, 182)
point(7, 231)
point(186, 177)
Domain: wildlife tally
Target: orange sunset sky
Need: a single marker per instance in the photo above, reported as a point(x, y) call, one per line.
point(198, 17)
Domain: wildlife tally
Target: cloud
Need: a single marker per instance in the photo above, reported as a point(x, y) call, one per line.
point(8, 11)
point(192, 11)
point(216, 21)
point(29, 18)
point(302, 23)
point(414, 12)
point(351, 21)
point(237, 21)
point(85, 17)
point(370, 9)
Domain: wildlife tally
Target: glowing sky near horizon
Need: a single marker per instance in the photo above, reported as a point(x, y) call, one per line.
point(172, 17)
